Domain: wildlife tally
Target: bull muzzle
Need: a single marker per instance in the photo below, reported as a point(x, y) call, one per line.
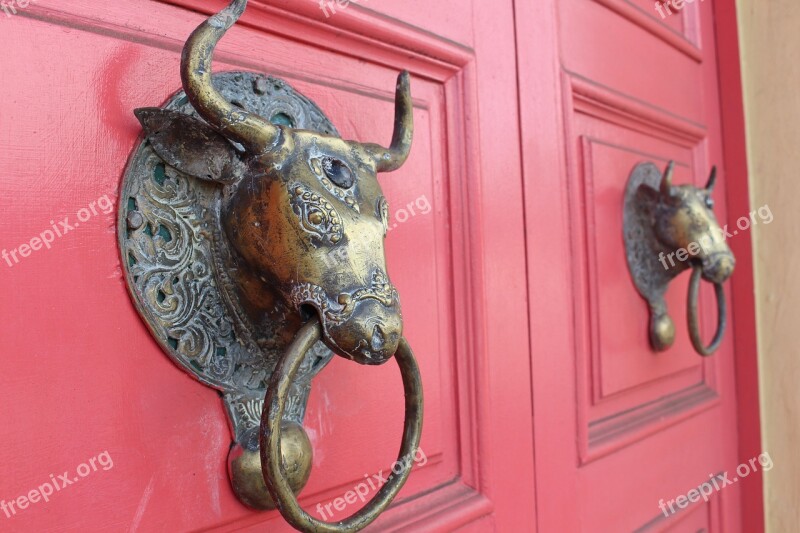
point(364, 325)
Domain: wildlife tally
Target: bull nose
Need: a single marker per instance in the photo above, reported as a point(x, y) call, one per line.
point(371, 333)
point(718, 268)
point(378, 339)
point(382, 345)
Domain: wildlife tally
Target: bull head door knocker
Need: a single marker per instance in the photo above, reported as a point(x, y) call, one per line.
point(668, 229)
point(232, 207)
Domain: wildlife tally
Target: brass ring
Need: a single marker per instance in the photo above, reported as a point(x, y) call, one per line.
point(274, 405)
point(694, 325)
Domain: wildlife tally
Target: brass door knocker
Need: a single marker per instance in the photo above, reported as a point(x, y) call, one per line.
point(231, 207)
point(668, 229)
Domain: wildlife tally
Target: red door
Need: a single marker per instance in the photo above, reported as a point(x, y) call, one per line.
point(628, 439)
point(87, 390)
point(505, 245)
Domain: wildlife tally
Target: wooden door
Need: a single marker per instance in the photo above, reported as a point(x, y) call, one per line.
point(624, 436)
point(94, 409)
point(546, 410)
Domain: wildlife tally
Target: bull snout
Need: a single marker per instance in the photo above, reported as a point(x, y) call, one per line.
point(718, 267)
point(370, 335)
point(364, 324)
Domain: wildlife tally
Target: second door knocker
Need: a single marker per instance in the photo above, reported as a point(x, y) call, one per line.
point(669, 229)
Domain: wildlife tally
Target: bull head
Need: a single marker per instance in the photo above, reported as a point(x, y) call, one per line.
point(685, 221)
point(292, 200)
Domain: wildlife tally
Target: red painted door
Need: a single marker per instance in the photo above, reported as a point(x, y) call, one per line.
point(545, 408)
point(88, 393)
point(627, 439)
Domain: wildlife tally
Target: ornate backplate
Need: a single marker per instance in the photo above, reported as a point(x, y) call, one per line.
point(641, 244)
point(643, 249)
point(173, 257)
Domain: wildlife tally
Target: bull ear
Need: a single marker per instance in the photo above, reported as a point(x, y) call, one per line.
point(189, 145)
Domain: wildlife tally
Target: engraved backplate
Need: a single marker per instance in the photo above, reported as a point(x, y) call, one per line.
point(642, 247)
point(644, 251)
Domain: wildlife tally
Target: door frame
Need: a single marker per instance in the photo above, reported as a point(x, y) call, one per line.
point(734, 145)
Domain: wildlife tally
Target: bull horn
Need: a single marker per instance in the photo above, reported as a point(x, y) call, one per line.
point(255, 133)
point(388, 160)
point(666, 182)
point(712, 179)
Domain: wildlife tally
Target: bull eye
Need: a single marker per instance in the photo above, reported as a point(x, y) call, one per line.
point(338, 172)
point(709, 202)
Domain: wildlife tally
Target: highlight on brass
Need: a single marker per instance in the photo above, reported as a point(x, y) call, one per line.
point(668, 229)
point(277, 200)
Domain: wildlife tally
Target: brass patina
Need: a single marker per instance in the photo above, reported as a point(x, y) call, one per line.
point(669, 229)
point(234, 205)
point(280, 485)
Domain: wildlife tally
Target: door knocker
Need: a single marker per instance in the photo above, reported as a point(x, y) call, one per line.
point(231, 208)
point(668, 229)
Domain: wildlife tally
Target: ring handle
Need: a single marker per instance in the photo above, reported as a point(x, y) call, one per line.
point(694, 325)
point(270, 438)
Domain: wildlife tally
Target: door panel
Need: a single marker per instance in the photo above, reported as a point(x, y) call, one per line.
point(74, 74)
point(647, 427)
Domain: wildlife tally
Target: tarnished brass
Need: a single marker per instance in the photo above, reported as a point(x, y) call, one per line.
point(271, 434)
point(247, 476)
point(244, 217)
point(668, 229)
point(175, 261)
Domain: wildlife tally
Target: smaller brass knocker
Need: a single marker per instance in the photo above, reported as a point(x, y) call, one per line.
point(270, 445)
point(668, 229)
point(691, 313)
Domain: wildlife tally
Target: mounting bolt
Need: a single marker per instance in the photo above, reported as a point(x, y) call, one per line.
point(260, 85)
point(135, 220)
